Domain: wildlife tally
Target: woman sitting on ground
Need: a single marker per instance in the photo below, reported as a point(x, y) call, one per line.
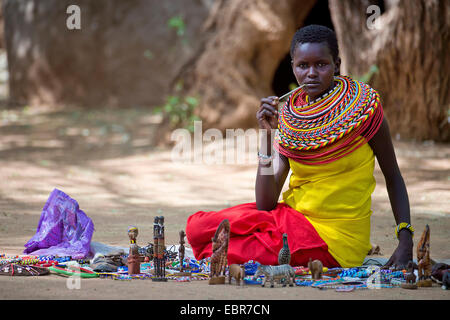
point(329, 132)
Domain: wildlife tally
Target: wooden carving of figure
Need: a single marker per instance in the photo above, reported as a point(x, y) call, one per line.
point(410, 277)
point(284, 255)
point(156, 245)
point(316, 269)
point(181, 249)
point(158, 249)
point(220, 251)
point(237, 272)
point(132, 234)
point(133, 260)
point(423, 259)
point(423, 255)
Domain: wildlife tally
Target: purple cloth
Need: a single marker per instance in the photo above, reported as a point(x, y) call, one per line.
point(63, 229)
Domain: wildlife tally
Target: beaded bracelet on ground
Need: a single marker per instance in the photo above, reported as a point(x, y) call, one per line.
point(341, 285)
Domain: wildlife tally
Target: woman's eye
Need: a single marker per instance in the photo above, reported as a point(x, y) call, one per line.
point(322, 64)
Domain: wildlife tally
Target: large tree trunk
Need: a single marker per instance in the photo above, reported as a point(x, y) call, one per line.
point(410, 47)
point(125, 53)
point(248, 39)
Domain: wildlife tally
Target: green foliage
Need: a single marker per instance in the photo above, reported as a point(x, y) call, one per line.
point(368, 75)
point(148, 54)
point(179, 110)
point(178, 24)
point(292, 86)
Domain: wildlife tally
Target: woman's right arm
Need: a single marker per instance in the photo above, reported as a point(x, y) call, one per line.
point(271, 175)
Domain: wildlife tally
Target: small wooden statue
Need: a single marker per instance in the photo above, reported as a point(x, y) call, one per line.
point(284, 256)
point(181, 249)
point(316, 269)
point(158, 249)
point(219, 255)
point(181, 252)
point(133, 260)
point(237, 272)
point(410, 277)
point(132, 234)
point(272, 273)
point(423, 259)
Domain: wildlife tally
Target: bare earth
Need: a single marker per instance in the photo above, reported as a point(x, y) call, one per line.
point(106, 161)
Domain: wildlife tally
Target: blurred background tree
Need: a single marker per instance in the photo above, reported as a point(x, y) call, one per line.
point(410, 47)
point(125, 54)
point(229, 54)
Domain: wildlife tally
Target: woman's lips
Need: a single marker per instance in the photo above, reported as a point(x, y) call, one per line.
point(312, 85)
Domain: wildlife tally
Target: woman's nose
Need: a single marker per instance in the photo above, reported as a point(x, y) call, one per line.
point(312, 72)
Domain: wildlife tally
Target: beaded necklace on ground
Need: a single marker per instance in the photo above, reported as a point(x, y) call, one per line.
point(331, 126)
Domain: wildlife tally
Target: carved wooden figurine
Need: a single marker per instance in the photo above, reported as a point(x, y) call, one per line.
point(410, 277)
point(158, 249)
point(181, 249)
point(423, 259)
point(132, 234)
point(316, 268)
point(284, 256)
point(219, 253)
point(181, 252)
point(237, 272)
point(133, 260)
point(271, 273)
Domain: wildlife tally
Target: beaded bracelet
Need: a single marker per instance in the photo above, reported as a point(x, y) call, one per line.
point(341, 284)
point(264, 158)
point(404, 225)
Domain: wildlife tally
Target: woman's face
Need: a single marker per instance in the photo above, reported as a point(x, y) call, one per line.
point(314, 66)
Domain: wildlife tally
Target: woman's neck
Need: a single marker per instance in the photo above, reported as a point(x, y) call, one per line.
point(312, 98)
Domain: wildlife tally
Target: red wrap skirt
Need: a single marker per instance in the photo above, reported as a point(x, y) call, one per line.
point(258, 235)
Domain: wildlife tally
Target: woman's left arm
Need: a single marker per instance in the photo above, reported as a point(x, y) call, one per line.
point(381, 144)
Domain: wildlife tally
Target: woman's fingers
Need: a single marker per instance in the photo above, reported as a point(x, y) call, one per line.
point(267, 120)
point(270, 100)
point(267, 114)
point(264, 114)
point(273, 109)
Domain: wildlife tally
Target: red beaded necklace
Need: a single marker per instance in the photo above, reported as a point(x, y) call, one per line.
point(331, 126)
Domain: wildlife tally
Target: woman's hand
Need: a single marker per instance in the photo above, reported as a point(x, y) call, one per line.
point(404, 252)
point(267, 114)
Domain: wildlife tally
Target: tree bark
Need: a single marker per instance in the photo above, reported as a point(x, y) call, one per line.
point(124, 54)
point(410, 47)
point(247, 40)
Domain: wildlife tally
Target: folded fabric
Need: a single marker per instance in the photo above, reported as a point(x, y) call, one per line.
point(258, 235)
point(63, 229)
point(108, 263)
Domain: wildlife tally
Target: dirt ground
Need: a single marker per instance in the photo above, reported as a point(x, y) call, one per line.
point(105, 159)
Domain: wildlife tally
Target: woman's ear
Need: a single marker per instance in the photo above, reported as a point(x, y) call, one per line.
point(337, 67)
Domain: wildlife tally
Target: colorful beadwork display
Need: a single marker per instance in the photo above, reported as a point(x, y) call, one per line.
point(338, 279)
point(328, 128)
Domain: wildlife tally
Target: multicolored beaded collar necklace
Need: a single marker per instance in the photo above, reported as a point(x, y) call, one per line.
point(330, 127)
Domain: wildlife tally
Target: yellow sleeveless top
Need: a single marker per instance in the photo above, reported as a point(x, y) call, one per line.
point(336, 198)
